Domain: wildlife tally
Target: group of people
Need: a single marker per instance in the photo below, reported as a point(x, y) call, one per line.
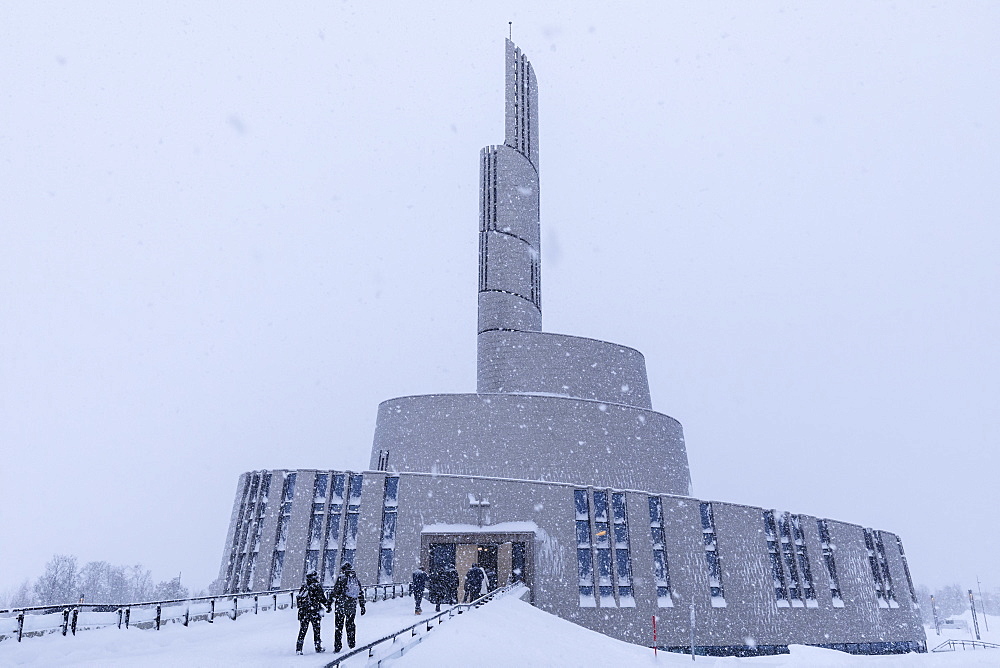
point(347, 594)
point(442, 586)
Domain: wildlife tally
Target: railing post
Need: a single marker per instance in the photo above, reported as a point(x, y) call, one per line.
point(76, 614)
point(20, 625)
point(65, 624)
point(157, 616)
point(291, 595)
point(128, 613)
point(211, 613)
point(236, 600)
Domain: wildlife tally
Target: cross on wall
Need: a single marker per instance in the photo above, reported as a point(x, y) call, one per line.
point(479, 505)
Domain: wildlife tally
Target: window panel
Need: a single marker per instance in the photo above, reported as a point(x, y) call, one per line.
point(600, 506)
point(338, 488)
point(712, 558)
point(319, 487)
point(661, 571)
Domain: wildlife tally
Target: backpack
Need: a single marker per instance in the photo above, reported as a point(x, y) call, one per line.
point(304, 599)
point(353, 588)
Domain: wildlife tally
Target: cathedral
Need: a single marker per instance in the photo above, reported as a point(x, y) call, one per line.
point(557, 472)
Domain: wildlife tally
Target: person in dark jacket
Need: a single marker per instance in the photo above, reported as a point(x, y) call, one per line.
point(453, 585)
point(417, 588)
point(439, 587)
point(473, 583)
point(349, 595)
point(310, 600)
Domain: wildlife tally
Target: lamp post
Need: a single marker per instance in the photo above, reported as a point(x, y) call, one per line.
point(982, 603)
point(975, 622)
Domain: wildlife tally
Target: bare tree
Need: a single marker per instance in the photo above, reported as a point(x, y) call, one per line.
point(139, 583)
point(59, 582)
point(20, 596)
point(101, 582)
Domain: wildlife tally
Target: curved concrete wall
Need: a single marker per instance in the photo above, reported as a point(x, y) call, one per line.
point(521, 104)
point(533, 437)
point(509, 251)
point(510, 195)
point(751, 618)
point(570, 366)
point(509, 256)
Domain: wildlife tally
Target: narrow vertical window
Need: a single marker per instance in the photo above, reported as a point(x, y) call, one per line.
point(258, 526)
point(623, 559)
point(317, 522)
point(602, 543)
point(278, 560)
point(712, 557)
point(315, 538)
point(232, 568)
point(906, 571)
point(265, 486)
point(661, 569)
point(250, 526)
point(276, 568)
point(829, 550)
point(890, 595)
point(353, 510)
point(354, 501)
point(788, 555)
point(777, 572)
point(875, 568)
point(387, 544)
point(251, 568)
point(331, 564)
point(319, 487)
point(802, 561)
point(584, 557)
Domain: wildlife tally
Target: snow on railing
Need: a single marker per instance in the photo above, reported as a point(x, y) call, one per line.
point(413, 631)
point(40, 620)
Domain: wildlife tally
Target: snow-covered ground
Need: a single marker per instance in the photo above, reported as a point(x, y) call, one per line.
point(506, 632)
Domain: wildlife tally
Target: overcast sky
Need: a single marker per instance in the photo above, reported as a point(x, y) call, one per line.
point(229, 231)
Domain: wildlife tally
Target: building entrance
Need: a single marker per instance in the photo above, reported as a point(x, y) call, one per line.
point(506, 557)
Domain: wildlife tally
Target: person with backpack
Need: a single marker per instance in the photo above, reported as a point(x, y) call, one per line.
point(310, 600)
point(349, 595)
point(417, 588)
point(439, 587)
point(473, 583)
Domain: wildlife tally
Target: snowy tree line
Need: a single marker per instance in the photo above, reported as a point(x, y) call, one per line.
point(953, 600)
point(95, 582)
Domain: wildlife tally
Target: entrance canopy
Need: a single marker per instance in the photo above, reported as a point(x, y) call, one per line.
point(505, 551)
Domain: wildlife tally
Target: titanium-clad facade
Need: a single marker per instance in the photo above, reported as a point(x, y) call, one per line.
point(558, 472)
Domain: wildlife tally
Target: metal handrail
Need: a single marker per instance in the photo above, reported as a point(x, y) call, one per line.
point(71, 611)
point(949, 645)
point(111, 607)
point(458, 608)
